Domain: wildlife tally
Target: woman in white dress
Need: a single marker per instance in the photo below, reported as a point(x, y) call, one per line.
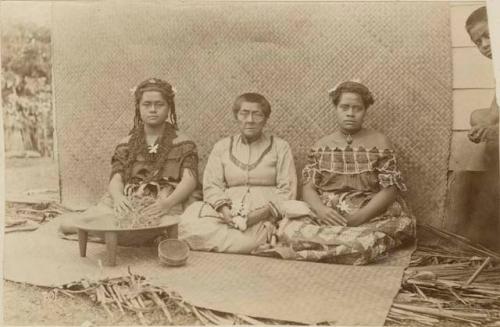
point(247, 178)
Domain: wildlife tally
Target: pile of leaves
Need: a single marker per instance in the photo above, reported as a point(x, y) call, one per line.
point(133, 294)
point(135, 218)
point(25, 216)
point(450, 280)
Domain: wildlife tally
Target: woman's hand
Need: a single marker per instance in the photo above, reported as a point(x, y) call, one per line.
point(156, 209)
point(226, 217)
point(121, 204)
point(330, 217)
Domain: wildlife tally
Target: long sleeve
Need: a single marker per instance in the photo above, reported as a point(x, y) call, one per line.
point(286, 178)
point(214, 184)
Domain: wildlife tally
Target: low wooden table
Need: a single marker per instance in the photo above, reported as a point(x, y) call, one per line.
point(113, 234)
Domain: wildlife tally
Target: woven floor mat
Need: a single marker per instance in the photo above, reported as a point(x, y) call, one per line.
point(255, 286)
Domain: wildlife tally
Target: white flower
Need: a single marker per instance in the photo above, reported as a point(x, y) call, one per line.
point(153, 148)
point(333, 89)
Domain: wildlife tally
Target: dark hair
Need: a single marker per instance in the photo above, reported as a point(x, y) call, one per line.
point(253, 98)
point(165, 89)
point(352, 87)
point(477, 16)
point(137, 140)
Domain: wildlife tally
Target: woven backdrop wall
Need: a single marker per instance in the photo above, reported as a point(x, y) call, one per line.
point(293, 53)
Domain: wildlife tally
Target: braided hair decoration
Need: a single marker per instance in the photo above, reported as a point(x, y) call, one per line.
point(137, 143)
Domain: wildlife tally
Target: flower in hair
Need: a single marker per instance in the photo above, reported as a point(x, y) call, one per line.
point(333, 89)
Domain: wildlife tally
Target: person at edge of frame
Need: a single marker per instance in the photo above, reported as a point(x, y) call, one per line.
point(480, 189)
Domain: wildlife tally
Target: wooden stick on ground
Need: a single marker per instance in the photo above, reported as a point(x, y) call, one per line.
point(441, 313)
point(162, 306)
point(478, 271)
point(202, 319)
point(249, 319)
point(115, 298)
point(135, 304)
point(101, 297)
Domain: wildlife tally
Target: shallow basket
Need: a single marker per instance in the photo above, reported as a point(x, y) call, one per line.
point(173, 252)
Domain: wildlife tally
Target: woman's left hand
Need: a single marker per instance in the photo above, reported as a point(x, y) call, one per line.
point(158, 208)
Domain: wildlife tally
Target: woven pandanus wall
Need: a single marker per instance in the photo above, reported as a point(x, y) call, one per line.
point(293, 53)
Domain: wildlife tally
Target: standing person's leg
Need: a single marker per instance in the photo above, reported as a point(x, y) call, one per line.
point(483, 223)
point(458, 201)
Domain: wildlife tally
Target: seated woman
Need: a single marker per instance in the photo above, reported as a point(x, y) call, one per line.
point(351, 183)
point(247, 178)
point(154, 169)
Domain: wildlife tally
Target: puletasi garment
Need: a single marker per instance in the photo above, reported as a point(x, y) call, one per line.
point(346, 179)
point(149, 168)
point(243, 176)
point(144, 171)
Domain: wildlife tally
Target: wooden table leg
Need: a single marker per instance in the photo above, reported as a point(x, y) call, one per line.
point(111, 239)
point(173, 231)
point(82, 242)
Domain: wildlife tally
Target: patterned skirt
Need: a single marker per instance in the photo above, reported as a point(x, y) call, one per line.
point(305, 238)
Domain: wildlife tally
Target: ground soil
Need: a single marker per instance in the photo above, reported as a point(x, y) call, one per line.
point(26, 304)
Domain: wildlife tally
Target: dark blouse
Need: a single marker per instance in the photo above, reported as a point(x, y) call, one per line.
point(174, 154)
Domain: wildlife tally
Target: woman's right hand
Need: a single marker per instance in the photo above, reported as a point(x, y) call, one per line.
point(226, 215)
point(330, 217)
point(121, 204)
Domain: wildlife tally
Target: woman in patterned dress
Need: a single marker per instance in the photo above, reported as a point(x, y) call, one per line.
point(352, 184)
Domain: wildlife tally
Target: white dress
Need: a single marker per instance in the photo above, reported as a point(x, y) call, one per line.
point(240, 175)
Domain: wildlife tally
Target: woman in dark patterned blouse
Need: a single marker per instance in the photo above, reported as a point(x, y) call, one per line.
point(154, 161)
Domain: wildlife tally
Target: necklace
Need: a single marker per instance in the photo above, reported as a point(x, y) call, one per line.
point(348, 138)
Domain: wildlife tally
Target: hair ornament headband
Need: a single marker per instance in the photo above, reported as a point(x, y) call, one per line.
point(151, 81)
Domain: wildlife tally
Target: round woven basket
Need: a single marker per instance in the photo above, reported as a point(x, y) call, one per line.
point(173, 252)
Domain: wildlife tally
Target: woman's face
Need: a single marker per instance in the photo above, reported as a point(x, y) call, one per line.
point(350, 112)
point(251, 120)
point(153, 107)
